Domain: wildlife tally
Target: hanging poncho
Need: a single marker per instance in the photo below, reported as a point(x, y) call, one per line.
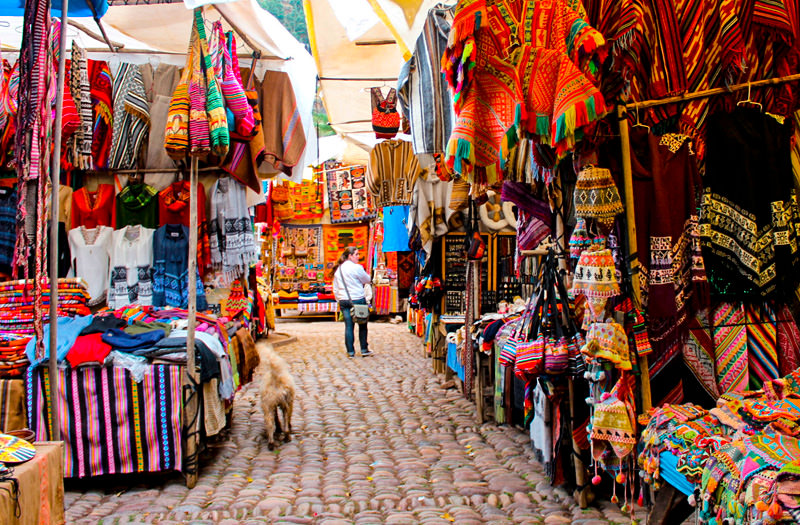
point(131, 117)
point(79, 88)
point(516, 67)
point(231, 233)
point(749, 221)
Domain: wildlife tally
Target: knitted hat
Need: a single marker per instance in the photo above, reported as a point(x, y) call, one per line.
point(596, 196)
point(608, 341)
point(595, 275)
point(613, 423)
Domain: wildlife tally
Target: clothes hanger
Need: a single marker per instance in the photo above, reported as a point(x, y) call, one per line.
point(640, 124)
point(749, 100)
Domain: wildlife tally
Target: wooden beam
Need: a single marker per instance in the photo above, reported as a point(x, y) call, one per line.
point(630, 219)
point(191, 411)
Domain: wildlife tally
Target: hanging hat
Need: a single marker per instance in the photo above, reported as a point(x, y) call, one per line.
point(613, 424)
point(596, 196)
point(579, 241)
point(595, 275)
point(608, 341)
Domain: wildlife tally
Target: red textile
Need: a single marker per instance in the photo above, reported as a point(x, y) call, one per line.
point(102, 104)
point(93, 208)
point(173, 208)
point(88, 349)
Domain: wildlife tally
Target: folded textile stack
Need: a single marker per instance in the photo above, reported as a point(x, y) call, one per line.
point(12, 355)
point(307, 297)
point(743, 455)
point(16, 303)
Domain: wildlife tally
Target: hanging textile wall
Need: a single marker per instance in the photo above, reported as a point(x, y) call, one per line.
point(303, 243)
point(307, 198)
point(349, 199)
point(120, 426)
point(337, 238)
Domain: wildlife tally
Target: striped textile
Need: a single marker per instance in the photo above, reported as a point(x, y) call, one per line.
point(788, 341)
point(79, 87)
point(762, 345)
point(699, 356)
point(421, 90)
point(199, 131)
point(131, 117)
point(176, 134)
point(110, 423)
point(217, 118)
point(284, 135)
point(330, 307)
point(231, 86)
point(12, 405)
point(392, 171)
point(730, 346)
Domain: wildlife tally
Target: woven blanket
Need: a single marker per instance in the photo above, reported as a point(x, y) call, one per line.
point(307, 198)
point(301, 242)
point(730, 346)
point(337, 238)
point(349, 199)
point(111, 424)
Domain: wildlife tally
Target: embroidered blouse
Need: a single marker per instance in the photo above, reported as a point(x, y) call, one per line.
point(90, 250)
point(93, 209)
point(131, 267)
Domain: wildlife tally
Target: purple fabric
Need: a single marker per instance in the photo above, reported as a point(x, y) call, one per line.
point(520, 194)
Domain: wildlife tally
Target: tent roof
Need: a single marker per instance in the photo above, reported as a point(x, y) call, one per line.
point(360, 44)
point(164, 29)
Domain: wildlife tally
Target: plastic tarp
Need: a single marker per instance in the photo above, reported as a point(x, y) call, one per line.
point(161, 32)
point(74, 8)
point(360, 39)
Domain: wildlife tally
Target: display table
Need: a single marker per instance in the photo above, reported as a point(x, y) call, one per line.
point(111, 424)
point(41, 488)
point(12, 405)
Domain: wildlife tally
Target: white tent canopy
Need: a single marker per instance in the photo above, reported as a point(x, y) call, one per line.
point(359, 44)
point(163, 30)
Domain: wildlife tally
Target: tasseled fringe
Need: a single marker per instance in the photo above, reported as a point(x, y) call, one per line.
point(466, 26)
point(459, 153)
point(510, 137)
point(579, 115)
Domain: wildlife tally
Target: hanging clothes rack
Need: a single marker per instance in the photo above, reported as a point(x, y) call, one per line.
point(624, 131)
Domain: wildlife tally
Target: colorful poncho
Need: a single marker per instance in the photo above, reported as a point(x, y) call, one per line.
point(494, 49)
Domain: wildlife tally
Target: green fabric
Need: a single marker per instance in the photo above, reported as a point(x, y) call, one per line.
point(140, 327)
point(137, 204)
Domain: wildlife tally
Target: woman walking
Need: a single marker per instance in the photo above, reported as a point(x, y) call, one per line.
point(349, 279)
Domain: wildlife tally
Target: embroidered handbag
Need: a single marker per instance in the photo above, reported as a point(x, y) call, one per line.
point(575, 340)
point(530, 353)
point(475, 248)
point(556, 354)
point(508, 352)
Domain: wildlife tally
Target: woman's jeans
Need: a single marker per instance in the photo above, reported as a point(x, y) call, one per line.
point(344, 307)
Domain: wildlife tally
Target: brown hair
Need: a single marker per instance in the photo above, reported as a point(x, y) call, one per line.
point(350, 250)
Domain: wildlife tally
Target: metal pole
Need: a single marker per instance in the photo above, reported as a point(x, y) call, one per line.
point(633, 256)
point(55, 172)
point(193, 406)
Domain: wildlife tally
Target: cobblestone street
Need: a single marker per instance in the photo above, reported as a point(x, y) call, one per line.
point(376, 440)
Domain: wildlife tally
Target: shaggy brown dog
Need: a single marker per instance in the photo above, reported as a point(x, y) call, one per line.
point(276, 387)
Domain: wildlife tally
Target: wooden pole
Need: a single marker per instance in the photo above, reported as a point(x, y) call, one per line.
point(633, 257)
point(55, 173)
point(192, 409)
point(711, 92)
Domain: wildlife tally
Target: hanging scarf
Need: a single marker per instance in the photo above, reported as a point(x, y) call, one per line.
point(79, 88)
point(102, 104)
point(32, 144)
point(131, 117)
point(221, 52)
point(231, 233)
point(176, 134)
point(217, 120)
point(199, 131)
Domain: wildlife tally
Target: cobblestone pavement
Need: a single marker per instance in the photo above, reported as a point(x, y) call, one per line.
point(377, 440)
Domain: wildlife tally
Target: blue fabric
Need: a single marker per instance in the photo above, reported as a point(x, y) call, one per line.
point(349, 336)
point(395, 228)
point(67, 329)
point(452, 360)
point(171, 269)
point(126, 342)
point(76, 8)
point(669, 473)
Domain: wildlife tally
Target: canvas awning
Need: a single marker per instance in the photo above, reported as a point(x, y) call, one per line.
point(359, 44)
point(164, 29)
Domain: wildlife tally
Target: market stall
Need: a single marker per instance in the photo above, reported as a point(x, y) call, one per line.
point(656, 222)
point(153, 226)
